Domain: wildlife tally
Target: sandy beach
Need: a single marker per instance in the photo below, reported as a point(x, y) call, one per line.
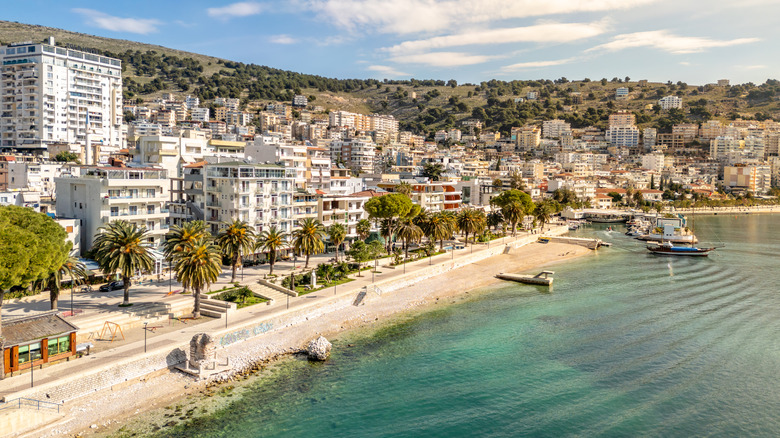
point(104, 412)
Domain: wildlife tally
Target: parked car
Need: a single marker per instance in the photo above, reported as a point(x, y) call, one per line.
point(114, 285)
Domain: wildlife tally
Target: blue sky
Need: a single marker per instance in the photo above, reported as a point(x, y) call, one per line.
point(468, 40)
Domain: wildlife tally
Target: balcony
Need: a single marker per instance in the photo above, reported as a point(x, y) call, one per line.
point(213, 204)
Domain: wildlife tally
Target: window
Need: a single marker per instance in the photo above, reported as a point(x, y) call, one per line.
point(150, 209)
point(150, 193)
point(114, 211)
point(29, 353)
point(59, 345)
point(133, 210)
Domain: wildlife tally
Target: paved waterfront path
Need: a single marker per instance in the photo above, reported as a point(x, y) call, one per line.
point(171, 336)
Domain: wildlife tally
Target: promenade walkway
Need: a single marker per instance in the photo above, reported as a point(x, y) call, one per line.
point(173, 336)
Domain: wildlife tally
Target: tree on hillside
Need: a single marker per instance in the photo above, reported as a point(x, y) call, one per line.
point(32, 248)
point(122, 246)
point(237, 239)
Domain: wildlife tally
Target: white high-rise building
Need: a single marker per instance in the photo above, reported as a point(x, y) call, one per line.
point(51, 94)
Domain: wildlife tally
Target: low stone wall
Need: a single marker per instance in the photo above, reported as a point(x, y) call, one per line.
point(133, 368)
point(276, 287)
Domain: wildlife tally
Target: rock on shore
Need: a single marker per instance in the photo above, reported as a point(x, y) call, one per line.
point(318, 349)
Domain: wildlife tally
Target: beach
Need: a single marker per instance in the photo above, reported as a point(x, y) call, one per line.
point(104, 412)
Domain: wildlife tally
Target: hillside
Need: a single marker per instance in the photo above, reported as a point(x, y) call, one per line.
point(422, 106)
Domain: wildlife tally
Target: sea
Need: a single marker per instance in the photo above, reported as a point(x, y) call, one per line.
point(625, 344)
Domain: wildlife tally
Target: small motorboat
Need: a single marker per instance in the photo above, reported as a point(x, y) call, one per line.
point(667, 248)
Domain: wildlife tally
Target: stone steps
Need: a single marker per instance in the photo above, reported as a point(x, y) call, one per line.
point(268, 293)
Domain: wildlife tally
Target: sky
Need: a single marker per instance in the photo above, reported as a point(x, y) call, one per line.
point(694, 41)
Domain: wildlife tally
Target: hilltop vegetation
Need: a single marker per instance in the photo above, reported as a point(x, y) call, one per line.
point(422, 106)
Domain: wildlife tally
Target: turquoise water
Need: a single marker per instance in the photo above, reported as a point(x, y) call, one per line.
point(626, 344)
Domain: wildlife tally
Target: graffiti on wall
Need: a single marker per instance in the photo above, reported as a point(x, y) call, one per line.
point(244, 334)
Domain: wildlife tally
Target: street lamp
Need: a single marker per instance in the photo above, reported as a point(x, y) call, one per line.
point(145, 324)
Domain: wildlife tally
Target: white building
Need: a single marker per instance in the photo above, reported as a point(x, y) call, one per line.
point(99, 195)
point(198, 114)
point(36, 177)
point(555, 128)
point(627, 136)
point(670, 102)
point(358, 154)
point(621, 92)
point(52, 94)
point(259, 194)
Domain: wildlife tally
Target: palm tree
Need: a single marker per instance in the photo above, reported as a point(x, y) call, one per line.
point(197, 266)
point(271, 240)
point(122, 246)
point(438, 227)
point(308, 239)
point(386, 229)
point(516, 180)
point(71, 267)
point(180, 237)
point(408, 231)
point(363, 229)
point(235, 240)
point(514, 212)
point(494, 219)
point(470, 221)
point(337, 233)
point(404, 188)
point(542, 213)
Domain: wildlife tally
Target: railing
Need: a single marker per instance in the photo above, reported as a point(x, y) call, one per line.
point(29, 402)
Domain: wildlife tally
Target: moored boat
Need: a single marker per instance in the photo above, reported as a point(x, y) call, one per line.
point(667, 248)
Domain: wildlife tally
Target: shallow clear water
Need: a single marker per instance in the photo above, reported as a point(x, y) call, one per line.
point(626, 344)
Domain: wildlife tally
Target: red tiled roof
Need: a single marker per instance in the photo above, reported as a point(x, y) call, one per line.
point(371, 193)
point(195, 165)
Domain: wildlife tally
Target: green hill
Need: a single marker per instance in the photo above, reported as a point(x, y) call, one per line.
point(422, 106)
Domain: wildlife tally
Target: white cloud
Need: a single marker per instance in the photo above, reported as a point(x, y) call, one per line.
point(536, 64)
point(668, 42)
point(386, 70)
point(240, 9)
point(442, 59)
point(109, 22)
point(283, 39)
point(539, 33)
point(755, 67)
point(417, 16)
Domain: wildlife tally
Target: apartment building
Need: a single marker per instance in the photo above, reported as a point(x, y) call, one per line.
point(98, 195)
point(621, 93)
point(528, 137)
point(555, 128)
point(649, 138)
point(34, 176)
point(622, 118)
point(267, 149)
point(431, 195)
point(670, 102)
point(711, 129)
point(345, 209)
point(358, 154)
point(689, 131)
point(623, 136)
point(259, 194)
point(198, 114)
point(52, 94)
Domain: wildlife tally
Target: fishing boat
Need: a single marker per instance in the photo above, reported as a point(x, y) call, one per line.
point(668, 248)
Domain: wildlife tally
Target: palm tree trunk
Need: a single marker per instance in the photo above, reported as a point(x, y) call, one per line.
point(126, 281)
point(307, 261)
point(337, 253)
point(54, 295)
point(233, 272)
point(467, 237)
point(406, 249)
point(271, 260)
point(441, 245)
point(196, 309)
